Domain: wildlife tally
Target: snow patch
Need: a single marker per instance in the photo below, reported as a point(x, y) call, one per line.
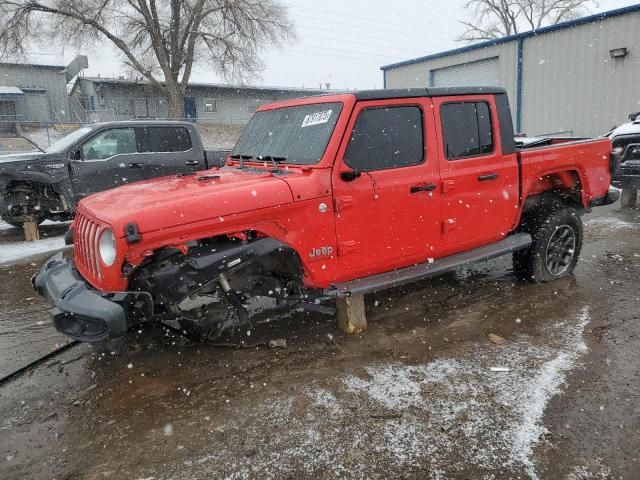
point(612, 223)
point(6, 226)
point(15, 252)
point(432, 416)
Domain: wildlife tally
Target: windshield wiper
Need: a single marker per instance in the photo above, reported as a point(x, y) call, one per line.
point(275, 160)
point(242, 158)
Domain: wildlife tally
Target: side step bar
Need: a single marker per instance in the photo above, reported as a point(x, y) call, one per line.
point(414, 273)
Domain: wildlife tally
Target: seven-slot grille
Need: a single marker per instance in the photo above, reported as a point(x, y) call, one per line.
point(86, 237)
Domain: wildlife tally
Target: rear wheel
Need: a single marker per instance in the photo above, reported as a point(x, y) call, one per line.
point(557, 241)
point(628, 197)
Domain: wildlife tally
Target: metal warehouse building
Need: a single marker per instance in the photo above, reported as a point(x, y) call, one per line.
point(37, 93)
point(580, 77)
point(106, 99)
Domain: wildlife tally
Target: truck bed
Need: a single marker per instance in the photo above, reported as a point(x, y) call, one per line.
point(564, 165)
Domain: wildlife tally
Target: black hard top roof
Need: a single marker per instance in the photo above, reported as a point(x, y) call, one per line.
point(426, 92)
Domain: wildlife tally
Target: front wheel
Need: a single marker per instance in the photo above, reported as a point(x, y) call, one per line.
point(628, 197)
point(557, 241)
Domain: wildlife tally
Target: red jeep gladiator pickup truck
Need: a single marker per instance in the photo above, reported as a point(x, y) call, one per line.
point(322, 197)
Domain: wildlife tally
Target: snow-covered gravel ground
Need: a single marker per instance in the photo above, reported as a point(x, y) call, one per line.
point(19, 251)
point(609, 223)
point(11, 253)
point(451, 411)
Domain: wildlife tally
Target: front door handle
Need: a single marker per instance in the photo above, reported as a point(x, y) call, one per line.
point(423, 188)
point(135, 165)
point(192, 163)
point(487, 177)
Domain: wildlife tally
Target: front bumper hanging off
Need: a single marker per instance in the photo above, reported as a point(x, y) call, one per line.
point(83, 313)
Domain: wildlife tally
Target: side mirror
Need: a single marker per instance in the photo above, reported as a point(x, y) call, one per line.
point(75, 155)
point(350, 176)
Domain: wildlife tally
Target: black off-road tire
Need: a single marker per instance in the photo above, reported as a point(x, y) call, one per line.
point(628, 198)
point(557, 241)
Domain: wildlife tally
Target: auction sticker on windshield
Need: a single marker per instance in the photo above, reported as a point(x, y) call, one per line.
point(316, 118)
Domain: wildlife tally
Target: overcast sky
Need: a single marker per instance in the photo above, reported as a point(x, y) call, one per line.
point(341, 42)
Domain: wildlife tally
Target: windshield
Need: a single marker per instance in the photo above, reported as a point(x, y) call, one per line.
point(64, 143)
point(299, 135)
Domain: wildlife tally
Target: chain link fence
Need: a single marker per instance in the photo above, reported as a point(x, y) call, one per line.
point(18, 135)
point(219, 129)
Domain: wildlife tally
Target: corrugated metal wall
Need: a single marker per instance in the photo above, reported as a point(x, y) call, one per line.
point(45, 91)
point(480, 73)
point(570, 82)
point(419, 74)
point(124, 101)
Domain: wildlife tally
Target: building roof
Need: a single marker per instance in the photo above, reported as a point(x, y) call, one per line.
point(10, 91)
point(551, 28)
point(125, 81)
point(33, 65)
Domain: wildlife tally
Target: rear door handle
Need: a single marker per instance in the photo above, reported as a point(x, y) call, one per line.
point(135, 165)
point(487, 177)
point(423, 188)
point(192, 163)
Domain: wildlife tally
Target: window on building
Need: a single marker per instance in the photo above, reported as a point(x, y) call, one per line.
point(165, 139)
point(383, 138)
point(466, 129)
point(210, 105)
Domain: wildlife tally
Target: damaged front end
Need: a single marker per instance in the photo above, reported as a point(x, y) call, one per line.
point(219, 284)
point(211, 288)
point(83, 313)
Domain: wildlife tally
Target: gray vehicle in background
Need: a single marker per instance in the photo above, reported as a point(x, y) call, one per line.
point(625, 141)
point(48, 184)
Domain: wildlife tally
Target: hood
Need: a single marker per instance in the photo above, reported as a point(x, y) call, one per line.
point(173, 201)
point(22, 157)
point(626, 129)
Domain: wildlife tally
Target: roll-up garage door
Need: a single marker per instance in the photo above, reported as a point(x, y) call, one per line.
point(480, 73)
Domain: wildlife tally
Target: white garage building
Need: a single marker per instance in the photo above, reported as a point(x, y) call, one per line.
point(575, 78)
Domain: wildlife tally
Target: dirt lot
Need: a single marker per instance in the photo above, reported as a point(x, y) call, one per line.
point(414, 397)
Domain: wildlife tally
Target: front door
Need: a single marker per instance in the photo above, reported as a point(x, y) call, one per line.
point(107, 160)
point(388, 216)
point(190, 109)
point(479, 183)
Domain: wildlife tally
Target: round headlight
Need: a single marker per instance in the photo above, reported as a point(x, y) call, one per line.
point(107, 247)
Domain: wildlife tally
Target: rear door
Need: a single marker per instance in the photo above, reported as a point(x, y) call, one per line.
point(389, 216)
point(168, 150)
point(479, 183)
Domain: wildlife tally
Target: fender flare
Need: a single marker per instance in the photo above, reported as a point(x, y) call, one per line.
point(560, 177)
point(176, 276)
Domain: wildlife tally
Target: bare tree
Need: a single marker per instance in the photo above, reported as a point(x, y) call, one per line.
point(500, 18)
point(161, 39)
